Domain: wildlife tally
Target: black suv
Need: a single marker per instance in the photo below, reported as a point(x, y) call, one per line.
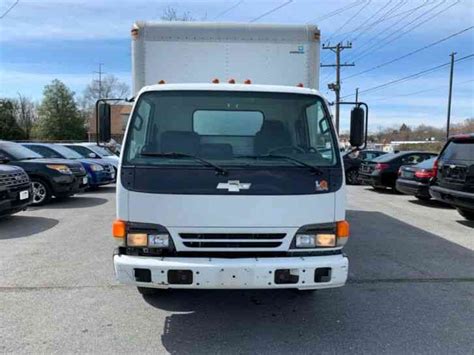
point(454, 181)
point(15, 190)
point(49, 177)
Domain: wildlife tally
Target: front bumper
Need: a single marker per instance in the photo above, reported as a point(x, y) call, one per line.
point(456, 198)
point(10, 201)
point(101, 178)
point(414, 188)
point(239, 273)
point(67, 185)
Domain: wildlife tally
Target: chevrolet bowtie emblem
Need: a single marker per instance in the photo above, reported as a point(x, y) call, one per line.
point(233, 186)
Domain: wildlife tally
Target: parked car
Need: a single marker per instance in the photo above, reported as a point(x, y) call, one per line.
point(15, 189)
point(382, 172)
point(415, 179)
point(454, 181)
point(93, 151)
point(98, 172)
point(49, 177)
point(352, 162)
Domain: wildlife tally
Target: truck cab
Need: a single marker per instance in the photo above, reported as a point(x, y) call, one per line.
point(230, 186)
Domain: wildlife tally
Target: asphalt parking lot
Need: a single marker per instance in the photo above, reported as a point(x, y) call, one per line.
point(411, 289)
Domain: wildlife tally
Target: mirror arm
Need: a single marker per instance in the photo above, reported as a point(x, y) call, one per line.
point(366, 122)
point(97, 103)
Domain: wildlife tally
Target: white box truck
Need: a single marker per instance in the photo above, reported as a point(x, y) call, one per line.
point(230, 173)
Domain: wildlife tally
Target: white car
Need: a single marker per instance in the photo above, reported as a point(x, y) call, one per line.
point(93, 151)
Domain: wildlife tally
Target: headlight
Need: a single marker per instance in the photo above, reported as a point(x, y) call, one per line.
point(95, 167)
point(63, 169)
point(315, 240)
point(322, 237)
point(144, 240)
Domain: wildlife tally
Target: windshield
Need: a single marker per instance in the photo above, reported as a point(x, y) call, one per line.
point(230, 128)
point(103, 152)
point(19, 152)
point(66, 152)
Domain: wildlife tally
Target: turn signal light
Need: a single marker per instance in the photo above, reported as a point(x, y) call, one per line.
point(162, 82)
point(342, 232)
point(248, 81)
point(300, 85)
point(215, 81)
point(119, 229)
point(231, 81)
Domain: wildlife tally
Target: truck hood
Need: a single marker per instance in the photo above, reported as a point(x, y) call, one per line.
point(204, 211)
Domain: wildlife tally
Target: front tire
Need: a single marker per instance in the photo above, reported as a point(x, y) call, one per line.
point(148, 291)
point(469, 215)
point(352, 177)
point(41, 192)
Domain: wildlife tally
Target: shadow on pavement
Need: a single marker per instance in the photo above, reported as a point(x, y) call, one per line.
point(431, 203)
point(409, 291)
point(466, 223)
point(80, 201)
point(24, 226)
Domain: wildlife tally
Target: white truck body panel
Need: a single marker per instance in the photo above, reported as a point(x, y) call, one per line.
point(194, 52)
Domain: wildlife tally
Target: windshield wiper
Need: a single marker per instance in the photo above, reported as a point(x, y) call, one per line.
point(313, 168)
point(176, 155)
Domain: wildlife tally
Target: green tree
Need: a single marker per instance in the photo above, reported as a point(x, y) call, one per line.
point(58, 115)
point(9, 128)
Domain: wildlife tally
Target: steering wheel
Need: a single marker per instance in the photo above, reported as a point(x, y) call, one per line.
point(292, 147)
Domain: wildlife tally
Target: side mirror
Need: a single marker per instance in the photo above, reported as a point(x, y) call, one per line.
point(104, 122)
point(357, 127)
point(92, 155)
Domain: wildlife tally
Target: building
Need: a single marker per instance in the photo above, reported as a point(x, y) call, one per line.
point(119, 114)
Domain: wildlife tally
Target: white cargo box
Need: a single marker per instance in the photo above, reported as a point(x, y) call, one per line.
point(198, 52)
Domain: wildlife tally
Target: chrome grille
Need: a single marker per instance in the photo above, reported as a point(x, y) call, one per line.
point(14, 179)
point(232, 240)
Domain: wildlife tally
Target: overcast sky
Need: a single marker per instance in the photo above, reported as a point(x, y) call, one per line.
point(66, 39)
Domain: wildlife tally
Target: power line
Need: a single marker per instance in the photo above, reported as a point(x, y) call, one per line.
point(420, 91)
point(410, 53)
point(226, 11)
point(382, 18)
point(348, 21)
point(408, 13)
point(404, 33)
point(9, 9)
point(336, 12)
point(411, 76)
point(271, 11)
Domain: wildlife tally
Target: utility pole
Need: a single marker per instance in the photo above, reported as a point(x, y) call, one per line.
point(357, 94)
point(450, 93)
point(336, 87)
point(100, 72)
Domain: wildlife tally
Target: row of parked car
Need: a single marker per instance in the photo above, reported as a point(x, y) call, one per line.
point(447, 176)
point(34, 173)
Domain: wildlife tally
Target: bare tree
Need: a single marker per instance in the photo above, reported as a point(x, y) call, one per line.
point(109, 88)
point(170, 14)
point(26, 116)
